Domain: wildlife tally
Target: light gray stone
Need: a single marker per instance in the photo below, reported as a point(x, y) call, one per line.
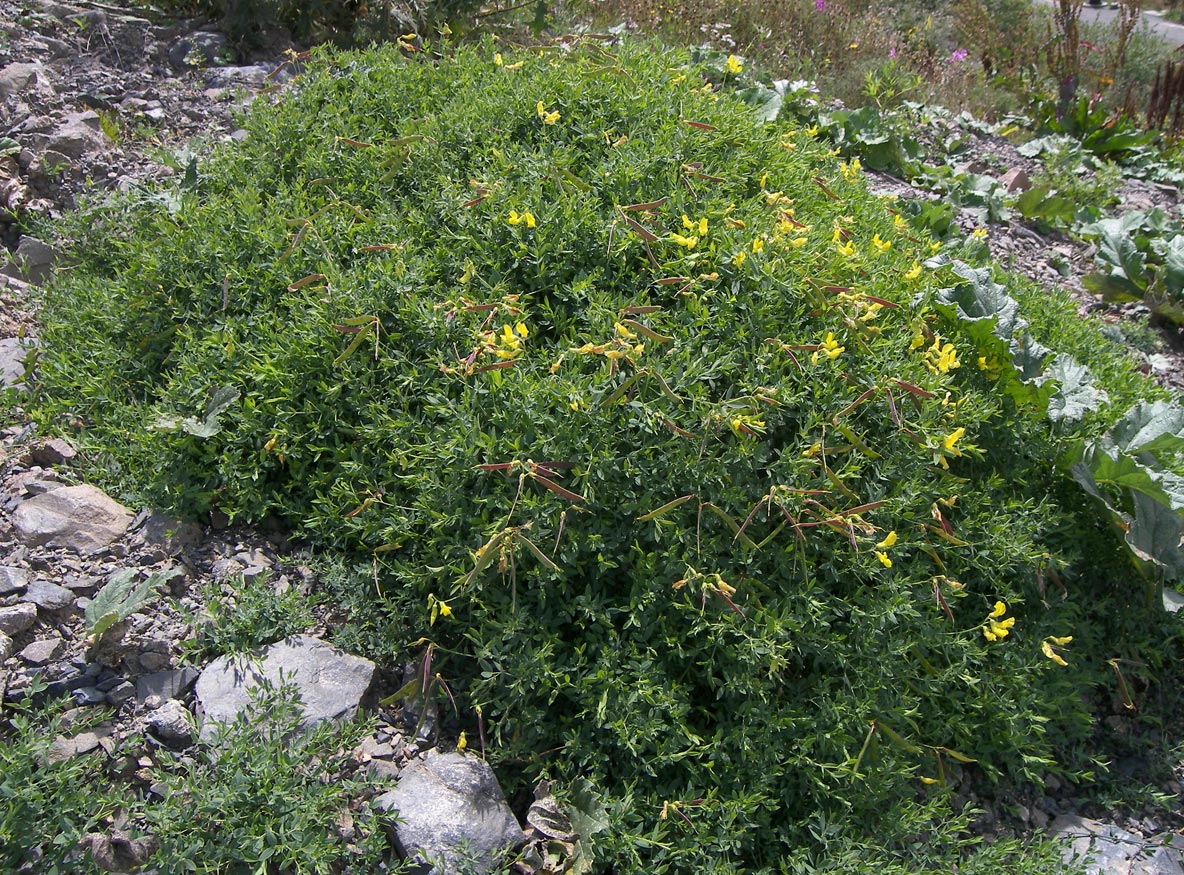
point(6, 646)
point(12, 360)
point(33, 261)
point(16, 619)
point(170, 723)
point(331, 683)
point(12, 579)
point(26, 81)
point(41, 652)
point(48, 596)
point(79, 134)
point(53, 452)
point(451, 812)
point(80, 518)
point(1112, 850)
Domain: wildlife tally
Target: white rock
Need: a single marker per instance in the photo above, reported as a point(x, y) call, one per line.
point(331, 683)
point(451, 812)
point(80, 518)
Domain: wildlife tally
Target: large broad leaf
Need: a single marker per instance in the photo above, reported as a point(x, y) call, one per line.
point(1076, 394)
point(982, 304)
point(1172, 275)
point(1155, 534)
point(1121, 471)
point(210, 424)
point(1112, 287)
point(766, 102)
point(120, 597)
point(1155, 427)
point(1120, 254)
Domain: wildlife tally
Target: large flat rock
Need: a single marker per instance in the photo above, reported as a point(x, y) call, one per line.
point(80, 518)
point(331, 683)
point(451, 814)
point(1111, 850)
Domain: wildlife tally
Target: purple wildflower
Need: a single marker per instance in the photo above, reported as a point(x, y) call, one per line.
point(892, 52)
point(820, 5)
point(959, 55)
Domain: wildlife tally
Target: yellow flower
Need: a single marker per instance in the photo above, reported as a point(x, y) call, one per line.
point(847, 249)
point(549, 118)
point(829, 348)
point(764, 180)
point(462, 742)
point(688, 242)
point(445, 610)
point(883, 557)
point(813, 450)
point(1046, 647)
point(889, 541)
point(811, 131)
point(497, 59)
point(692, 226)
point(850, 171)
point(517, 218)
point(881, 245)
point(900, 223)
point(948, 443)
point(798, 241)
point(913, 272)
point(522, 330)
point(733, 65)
point(739, 257)
point(941, 358)
point(996, 629)
point(757, 244)
point(979, 233)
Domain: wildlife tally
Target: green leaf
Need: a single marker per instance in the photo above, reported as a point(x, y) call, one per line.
point(120, 597)
point(1076, 394)
point(1155, 534)
point(765, 101)
point(208, 425)
point(1155, 427)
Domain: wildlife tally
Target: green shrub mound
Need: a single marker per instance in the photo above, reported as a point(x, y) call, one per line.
point(647, 419)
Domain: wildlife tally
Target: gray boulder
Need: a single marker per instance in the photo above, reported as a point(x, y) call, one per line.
point(1112, 850)
point(48, 596)
point(452, 815)
point(331, 683)
point(170, 723)
point(79, 134)
point(200, 49)
point(79, 518)
point(33, 261)
point(25, 81)
point(12, 579)
point(17, 618)
point(12, 360)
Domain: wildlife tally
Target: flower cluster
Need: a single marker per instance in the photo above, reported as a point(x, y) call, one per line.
point(1049, 648)
point(996, 628)
point(881, 550)
point(941, 358)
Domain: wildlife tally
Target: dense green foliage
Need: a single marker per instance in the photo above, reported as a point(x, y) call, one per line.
point(690, 463)
point(43, 815)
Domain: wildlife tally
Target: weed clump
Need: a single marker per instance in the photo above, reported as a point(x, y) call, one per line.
point(702, 473)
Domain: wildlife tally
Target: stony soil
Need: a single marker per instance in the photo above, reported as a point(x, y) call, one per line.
point(95, 97)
